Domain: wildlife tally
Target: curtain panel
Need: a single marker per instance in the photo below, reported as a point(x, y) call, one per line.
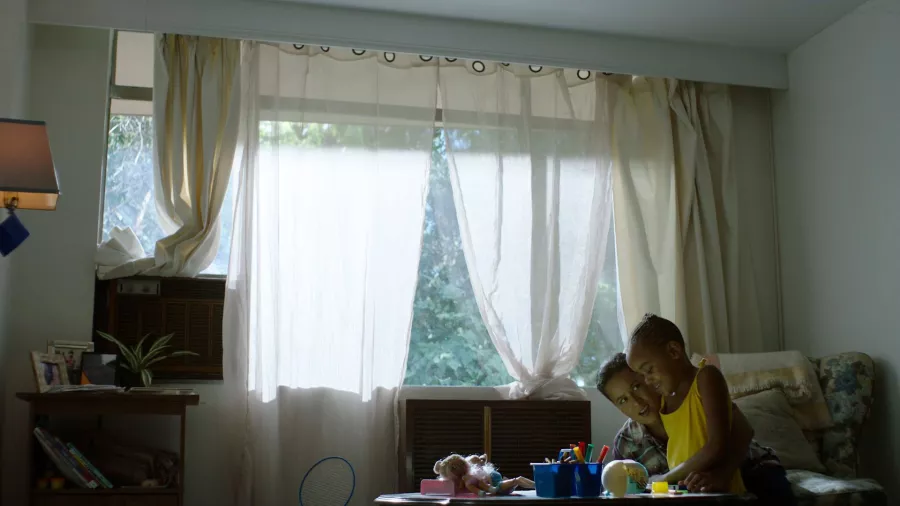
point(195, 114)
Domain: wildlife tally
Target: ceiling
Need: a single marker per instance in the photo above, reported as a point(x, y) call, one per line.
point(779, 25)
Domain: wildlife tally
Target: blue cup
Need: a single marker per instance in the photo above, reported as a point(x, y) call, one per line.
point(587, 479)
point(554, 480)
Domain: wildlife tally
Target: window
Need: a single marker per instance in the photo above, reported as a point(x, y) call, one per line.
point(449, 344)
point(128, 191)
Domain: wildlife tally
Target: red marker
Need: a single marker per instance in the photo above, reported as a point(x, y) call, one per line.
point(603, 453)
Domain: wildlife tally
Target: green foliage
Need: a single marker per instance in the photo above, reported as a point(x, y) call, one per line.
point(139, 362)
point(128, 199)
point(449, 344)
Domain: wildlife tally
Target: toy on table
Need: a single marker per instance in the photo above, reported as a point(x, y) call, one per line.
point(573, 473)
point(437, 487)
point(576, 455)
point(603, 453)
point(623, 477)
point(659, 487)
point(478, 476)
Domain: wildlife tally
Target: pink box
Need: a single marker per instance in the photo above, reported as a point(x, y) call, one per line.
point(437, 487)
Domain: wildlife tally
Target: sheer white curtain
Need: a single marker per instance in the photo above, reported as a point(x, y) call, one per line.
point(530, 167)
point(326, 244)
point(676, 212)
point(195, 112)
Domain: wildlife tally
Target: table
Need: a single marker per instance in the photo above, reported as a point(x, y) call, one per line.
point(528, 498)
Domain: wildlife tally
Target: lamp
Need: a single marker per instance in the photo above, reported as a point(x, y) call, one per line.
point(27, 176)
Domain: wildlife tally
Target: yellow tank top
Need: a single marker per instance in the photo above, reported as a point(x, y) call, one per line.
point(687, 431)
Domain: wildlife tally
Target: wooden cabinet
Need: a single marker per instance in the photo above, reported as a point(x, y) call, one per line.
point(513, 433)
point(100, 404)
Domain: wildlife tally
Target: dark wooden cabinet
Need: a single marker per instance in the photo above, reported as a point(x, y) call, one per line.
point(513, 433)
point(99, 404)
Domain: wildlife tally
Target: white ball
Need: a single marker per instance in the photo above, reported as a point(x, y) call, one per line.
point(615, 478)
point(621, 477)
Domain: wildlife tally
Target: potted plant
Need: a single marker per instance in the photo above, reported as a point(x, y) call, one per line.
point(136, 363)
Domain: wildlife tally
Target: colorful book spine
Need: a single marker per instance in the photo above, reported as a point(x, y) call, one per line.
point(83, 471)
point(87, 463)
point(66, 458)
point(57, 459)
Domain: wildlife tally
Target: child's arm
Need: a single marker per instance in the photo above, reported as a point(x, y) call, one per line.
point(714, 393)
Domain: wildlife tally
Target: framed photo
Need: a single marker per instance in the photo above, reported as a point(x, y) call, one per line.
point(71, 351)
point(49, 370)
point(98, 368)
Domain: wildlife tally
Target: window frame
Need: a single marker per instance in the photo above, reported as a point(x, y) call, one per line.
point(134, 94)
point(114, 92)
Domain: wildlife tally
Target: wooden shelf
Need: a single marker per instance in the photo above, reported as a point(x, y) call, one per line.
point(99, 404)
point(108, 403)
point(107, 491)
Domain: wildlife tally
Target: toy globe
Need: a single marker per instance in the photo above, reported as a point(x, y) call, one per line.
point(622, 477)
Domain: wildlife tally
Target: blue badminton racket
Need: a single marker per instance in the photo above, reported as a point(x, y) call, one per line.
point(329, 482)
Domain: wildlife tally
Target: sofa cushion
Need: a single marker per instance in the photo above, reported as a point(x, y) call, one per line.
point(772, 420)
point(814, 489)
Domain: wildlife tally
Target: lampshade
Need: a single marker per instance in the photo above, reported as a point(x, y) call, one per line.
point(26, 166)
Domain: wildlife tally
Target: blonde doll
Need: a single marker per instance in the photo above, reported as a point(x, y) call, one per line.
point(474, 474)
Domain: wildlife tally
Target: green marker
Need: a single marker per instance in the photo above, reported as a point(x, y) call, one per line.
point(588, 453)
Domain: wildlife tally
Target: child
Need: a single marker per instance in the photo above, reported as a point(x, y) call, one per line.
point(696, 406)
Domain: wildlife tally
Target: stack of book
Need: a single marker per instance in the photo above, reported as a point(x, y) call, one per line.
point(55, 389)
point(71, 462)
point(162, 390)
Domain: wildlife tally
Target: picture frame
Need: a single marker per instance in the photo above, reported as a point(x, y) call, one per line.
point(71, 351)
point(49, 371)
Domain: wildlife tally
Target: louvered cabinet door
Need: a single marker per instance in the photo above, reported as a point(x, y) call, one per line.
point(523, 432)
point(435, 429)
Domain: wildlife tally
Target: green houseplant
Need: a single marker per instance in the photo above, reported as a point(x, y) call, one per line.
point(137, 362)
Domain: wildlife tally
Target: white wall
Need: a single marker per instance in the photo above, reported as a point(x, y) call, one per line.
point(14, 52)
point(13, 57)
point(837, 140)
point(53, 274)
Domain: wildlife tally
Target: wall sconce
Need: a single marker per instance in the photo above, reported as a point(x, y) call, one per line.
point(27, 176)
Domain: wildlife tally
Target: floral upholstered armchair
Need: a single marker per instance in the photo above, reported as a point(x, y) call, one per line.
point(846, 380)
